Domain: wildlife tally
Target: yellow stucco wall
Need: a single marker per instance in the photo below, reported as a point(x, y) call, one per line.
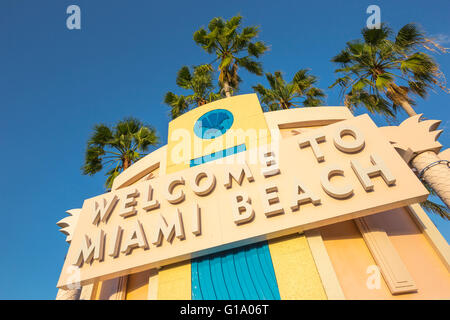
point(174, 282)
point(137, 286)
point(295, 270)
point(105, 290)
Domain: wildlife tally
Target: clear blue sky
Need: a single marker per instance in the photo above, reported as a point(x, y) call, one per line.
point(55, 84)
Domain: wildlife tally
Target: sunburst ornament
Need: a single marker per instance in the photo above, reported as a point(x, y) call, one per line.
point(414, 136)
point(69, 223)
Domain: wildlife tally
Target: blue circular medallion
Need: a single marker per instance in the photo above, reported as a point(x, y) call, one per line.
point(213, 124)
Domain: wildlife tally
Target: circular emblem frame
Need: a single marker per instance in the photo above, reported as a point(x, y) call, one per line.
point(213, 124)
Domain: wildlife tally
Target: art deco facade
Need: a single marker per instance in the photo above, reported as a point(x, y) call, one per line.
point(321, 205)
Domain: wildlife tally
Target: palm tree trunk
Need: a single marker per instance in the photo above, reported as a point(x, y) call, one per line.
point(399, 95)
point(407, 107)
point(227, 89)
point(437, 176)
point(70, 294)
point(126, 164)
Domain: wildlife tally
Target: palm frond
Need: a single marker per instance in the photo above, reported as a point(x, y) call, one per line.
point(284, 95)
point(436, 208)
point(184, 78)
point(233, 46)
point(113, 146)
point(382, 66)
point(409, 37)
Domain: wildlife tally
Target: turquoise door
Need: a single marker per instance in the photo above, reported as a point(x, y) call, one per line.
point(244, 273)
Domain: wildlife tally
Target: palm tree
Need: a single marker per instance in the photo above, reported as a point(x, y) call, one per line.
point(382, 74)
point(117, 147)
point(233, 48)
point(299, 92)
point(199, 81)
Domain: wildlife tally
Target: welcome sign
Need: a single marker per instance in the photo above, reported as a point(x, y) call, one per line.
point(338, 172)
